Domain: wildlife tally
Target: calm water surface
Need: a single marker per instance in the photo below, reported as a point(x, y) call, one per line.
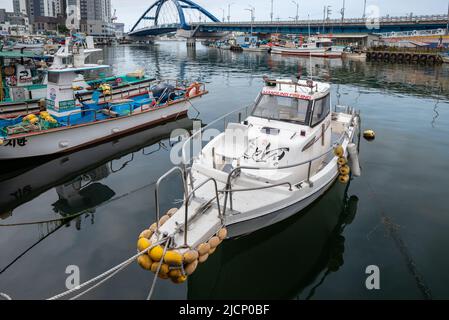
point(395, 217)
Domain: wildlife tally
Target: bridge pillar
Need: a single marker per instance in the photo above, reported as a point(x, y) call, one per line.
point(191, 43)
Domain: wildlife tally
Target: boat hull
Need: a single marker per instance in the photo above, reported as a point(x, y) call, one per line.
point(68, 139)
point(237, 229)
point(355, 56)
point(256, 49)
point(306, 53)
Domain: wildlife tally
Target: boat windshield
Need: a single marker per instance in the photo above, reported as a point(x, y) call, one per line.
point(282, 109)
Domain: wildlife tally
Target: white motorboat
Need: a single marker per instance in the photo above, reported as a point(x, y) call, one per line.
point(353, 54)
point(315, 47)
point(255, 48)
point(71, 123)
point(286, 154)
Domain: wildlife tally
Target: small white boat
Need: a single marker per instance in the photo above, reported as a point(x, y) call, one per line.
point(445, 57)
point(352, 54)
point(70, 123)
point(286, 154)
point(255, 48)
point(359, 56)
point(315, 47)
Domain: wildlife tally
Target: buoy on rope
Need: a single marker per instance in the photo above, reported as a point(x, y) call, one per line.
point(369, 135)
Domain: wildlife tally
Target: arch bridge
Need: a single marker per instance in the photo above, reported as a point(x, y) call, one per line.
point(166, 16)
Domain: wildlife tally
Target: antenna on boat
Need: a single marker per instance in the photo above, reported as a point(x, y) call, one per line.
point(310, 53)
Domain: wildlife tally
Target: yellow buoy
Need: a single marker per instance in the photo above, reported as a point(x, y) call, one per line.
point(145, 262)
point(345, 170)
point(214, 242)
point(163, 220)
point(153, 227)
point(203, 249)
point(191, 256)
point(342, 161)
point(180, 280)
point(203, 258)
point(173, 258)
point(165, 269)
point(171, 212)
point(175, 273)
point(191, 267)
point(143, 244)
point(339, 151)
point(146, 234)
point(222, 234)
point(163, 276)
point(154, 267)
point(369, 135)
point(156, 253)
point(343, 179)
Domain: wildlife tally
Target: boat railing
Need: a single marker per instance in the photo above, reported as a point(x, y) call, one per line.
point(228, 189)
point(187, 198)
point(169, 173)
point(310, 84)
point(95, 112)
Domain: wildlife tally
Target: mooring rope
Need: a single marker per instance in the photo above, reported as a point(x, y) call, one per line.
point(5, 296)
point(113, 270)
point(156, 275)
point(101, 282)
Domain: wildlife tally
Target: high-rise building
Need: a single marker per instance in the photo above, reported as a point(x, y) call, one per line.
point(96, 18)
point(46, 15)
point(20, 7)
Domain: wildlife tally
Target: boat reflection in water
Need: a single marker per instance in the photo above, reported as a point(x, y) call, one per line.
point(76, 176)
point(281, 261)
point(77, 180)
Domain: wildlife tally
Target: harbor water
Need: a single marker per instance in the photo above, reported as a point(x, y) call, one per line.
point(85, 210)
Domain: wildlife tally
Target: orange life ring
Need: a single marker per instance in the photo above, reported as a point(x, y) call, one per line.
point(195, 86)
point(9, 71)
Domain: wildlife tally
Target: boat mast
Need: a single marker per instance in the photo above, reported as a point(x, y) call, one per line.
point(1, 80)
point(310, 54)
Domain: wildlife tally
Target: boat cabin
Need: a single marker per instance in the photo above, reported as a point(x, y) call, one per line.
point(290, 120)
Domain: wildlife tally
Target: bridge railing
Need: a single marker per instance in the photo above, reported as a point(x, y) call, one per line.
point(416, 33)
point(387, 19)
point(161, 26)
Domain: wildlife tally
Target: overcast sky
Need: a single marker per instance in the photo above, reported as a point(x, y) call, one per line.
point(128, 11)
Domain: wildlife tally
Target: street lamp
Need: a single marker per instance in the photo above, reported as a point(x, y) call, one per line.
point(297, 10)
point(229, 11)
point(252, 10)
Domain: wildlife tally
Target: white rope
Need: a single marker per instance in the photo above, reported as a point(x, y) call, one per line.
point(106, 273)
point(5, 296)
point(100, 283)
point(156, 276)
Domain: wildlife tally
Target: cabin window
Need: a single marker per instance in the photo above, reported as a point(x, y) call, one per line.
point(53, 77)
point(282, 109)
point(321, 110)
